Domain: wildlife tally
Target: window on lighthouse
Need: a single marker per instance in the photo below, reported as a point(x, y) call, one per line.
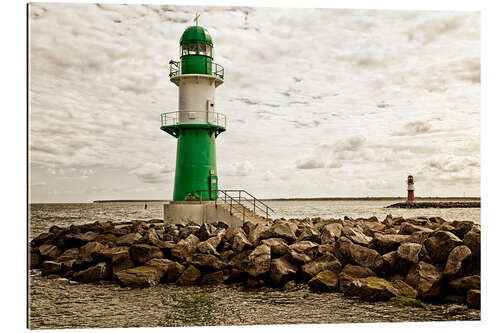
point(184, 49)
point(202, 49)
point(193, 48)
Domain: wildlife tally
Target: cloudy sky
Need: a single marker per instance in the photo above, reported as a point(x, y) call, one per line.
point(320, 102)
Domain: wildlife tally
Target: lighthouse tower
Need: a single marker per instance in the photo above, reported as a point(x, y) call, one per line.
point(195, 124)
point(411, 190)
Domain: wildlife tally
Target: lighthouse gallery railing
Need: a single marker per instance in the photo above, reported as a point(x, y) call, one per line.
point(176, 69)
point(187, 117)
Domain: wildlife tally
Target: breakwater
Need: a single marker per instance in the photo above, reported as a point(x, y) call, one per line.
point(437, 204)
point(402, 260)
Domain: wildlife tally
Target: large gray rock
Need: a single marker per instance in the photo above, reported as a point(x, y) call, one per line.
point(322, 263)
point(215, 278)
point(258, 232)
point(440, 244)
point(281, 270)
point(140, 276)
point(356, 235)
point(253, 262)
point(279, 247)
point(69, 254)
point(409, 252)
point(473, 241)
point(466, 283)
point(365, 257)
point(284, 230)
point(473, 298)
point(170, 269)
point(331, 232)
point(80, 239)
point(94, 273)
point(455, 263)
point(185, 247)
point(357, 271)
point(142, 253)
point(241, 242)
point(51, 267)
point(310, 234)
point(49, 251)
point(462, 228)
point(371, 226)
point(44, 238)
point(325, 281)
point(409, 228)
point(307, 247)
point(426, 279)
point(373, 289)
point(88, 249)
point(207, 261)
point(384, 243)
point(128, 239)
point(209, 246)
point(189, 276)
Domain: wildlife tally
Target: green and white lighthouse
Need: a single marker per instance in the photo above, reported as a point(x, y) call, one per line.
point(195, 125)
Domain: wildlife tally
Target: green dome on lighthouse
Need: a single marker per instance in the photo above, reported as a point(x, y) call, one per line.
point(196, 34)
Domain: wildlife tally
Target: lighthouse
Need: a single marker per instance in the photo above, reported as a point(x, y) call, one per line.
point(195, 125)
point(411, 190)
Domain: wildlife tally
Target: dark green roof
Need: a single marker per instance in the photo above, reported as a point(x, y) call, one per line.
point(196, 33)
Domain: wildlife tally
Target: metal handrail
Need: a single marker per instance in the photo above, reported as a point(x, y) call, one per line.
point(239, 200)
point(176, 69)
point(172, 118)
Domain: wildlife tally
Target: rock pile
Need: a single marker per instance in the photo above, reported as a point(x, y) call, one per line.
point(402, 260)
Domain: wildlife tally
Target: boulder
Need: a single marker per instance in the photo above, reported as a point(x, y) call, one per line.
point(440, 244)
point(188, 230)
point(373, 289)
point(185, 247)
point(409, 253)
point(365, 257)
point(310, 234)
point(370, 227)
point(140, 276)
point(418, 237)
point(426, 279)
point(170, 269)
point(284, 230)
point(404, 289)
point(259, 232)
point(51, 267)
point(409, 228)
point(79, 239)
point(279, 247)
point(307, 247)
point(218, 277)
point(204, 232)
point(207, 262)
point(94, 273)
point(44, 238)
point(119, 266)
point(128, 239)
point(455, 263)
point(473, 241)
point(322, 263)
point(356, 235)
point(189, 276)
point(106, 239)
point(107, 254)
point(209, 246)
point(357, 271)
point(325, 281)
point(386, 243)
point(142, 253)
point(331, 232)
point(231, 231)
point(389, 263)
point(473, 298)
point(241, 242)
point(34, 259)
point(254, 262)
point(281, 270)
point(70, 254)
point(466, 283)
point(462, 228)
point(49, 252)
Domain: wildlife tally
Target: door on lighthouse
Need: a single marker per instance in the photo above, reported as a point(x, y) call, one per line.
point(212, 185)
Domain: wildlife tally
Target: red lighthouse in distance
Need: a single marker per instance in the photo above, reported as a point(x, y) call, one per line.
point(411, 189)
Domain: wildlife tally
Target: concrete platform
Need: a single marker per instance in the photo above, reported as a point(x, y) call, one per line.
point(205, 212)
